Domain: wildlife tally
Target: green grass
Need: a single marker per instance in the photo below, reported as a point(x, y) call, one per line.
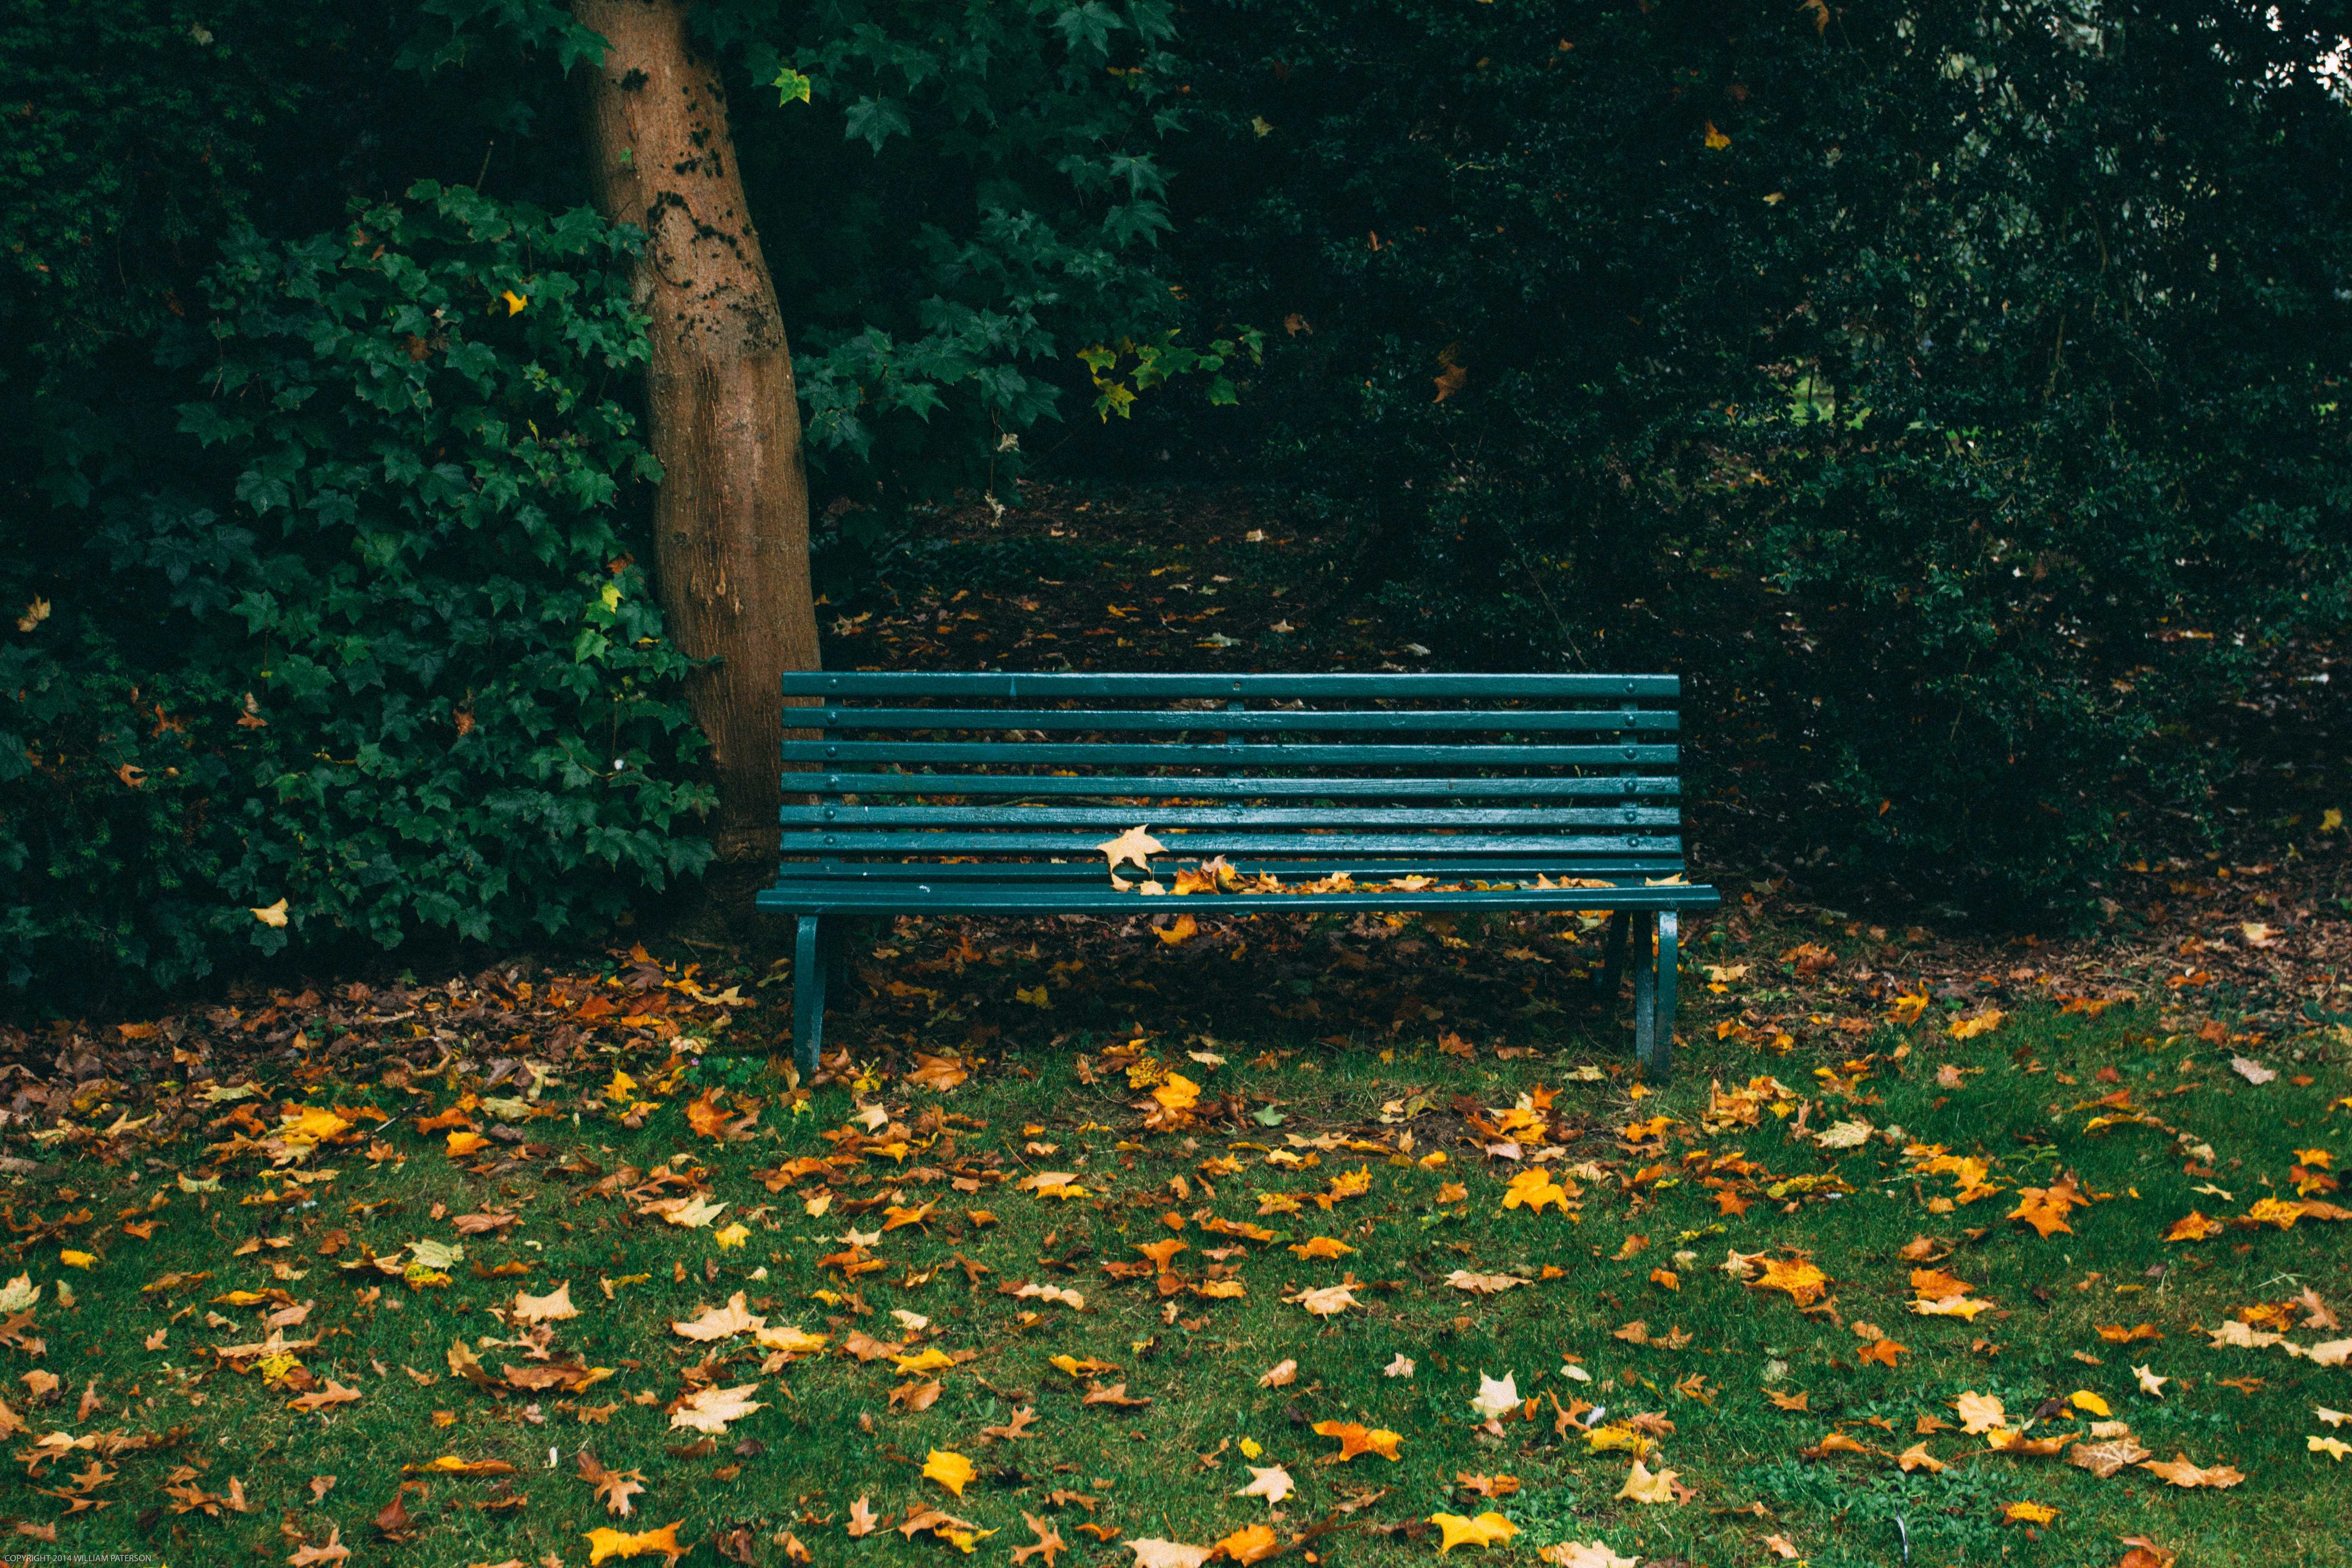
point(831, 1436)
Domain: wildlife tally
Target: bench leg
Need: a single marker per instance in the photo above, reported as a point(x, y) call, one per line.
point(1655, 1043)
point(1612, 960)
point(810, 953)
point(1645, 991)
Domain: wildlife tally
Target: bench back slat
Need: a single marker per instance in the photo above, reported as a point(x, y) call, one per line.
point(1248, 687)
point(1251, 720)
point(1240, 754)
point(1454, 786)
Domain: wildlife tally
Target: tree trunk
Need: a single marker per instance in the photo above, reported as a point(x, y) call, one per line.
point(730, 523)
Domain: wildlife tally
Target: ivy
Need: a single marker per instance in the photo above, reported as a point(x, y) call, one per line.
point(401, 669)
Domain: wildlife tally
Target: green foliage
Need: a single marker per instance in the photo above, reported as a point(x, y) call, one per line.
point(1161, 358)
point(1952, 393)
point(387, 658)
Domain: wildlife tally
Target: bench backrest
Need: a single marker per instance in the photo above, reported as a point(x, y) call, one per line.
point(1002, 775)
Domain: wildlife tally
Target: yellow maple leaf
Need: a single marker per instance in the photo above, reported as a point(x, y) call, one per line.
point(1716, 139)
point(1802, 1281)
point(1355, 1439)
point(1485, 1529)
point(604, 1542)
point(949, 1469)
point(2028, 1513)
point(77, 1259)
point(270, 914)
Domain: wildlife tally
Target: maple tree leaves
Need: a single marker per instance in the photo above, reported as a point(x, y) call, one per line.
point(1356, 1439)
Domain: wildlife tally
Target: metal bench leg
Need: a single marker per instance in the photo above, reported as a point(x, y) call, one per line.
point(1612, 960)
point(1657, 1044)
point(809, 956)
point(1645, 991)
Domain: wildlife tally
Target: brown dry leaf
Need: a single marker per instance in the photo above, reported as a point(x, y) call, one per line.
point(1496, 1486)
point(334, 1550)
point(711, 1409)
point(1113, 1394)
point(1018, 1426)
point(1278, 1374)
point(615, 1486)
point(2104, 1460)
point(319, 1399)
point(1484, 1284)
point(719, 1322)
point(2182, 1473)
point(1154, 1553)
point(1049, 1541)
point(554, 1306)
point(1271, 1482)
point(862, 1522)
point(1800, 1401)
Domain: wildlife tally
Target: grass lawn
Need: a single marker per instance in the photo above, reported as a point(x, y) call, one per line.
point(1652, 1300)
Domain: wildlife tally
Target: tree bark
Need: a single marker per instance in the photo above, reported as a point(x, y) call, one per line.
point(731, 522)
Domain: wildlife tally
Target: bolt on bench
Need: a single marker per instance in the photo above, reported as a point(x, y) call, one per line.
point(990, 793)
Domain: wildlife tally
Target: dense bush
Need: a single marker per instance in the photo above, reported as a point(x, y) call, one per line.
point(1952, 390)
point(358, 643)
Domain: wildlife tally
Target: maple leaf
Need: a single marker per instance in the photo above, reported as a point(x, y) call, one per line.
point(1049, 1541)
point(1078, 1368)
point(1980, 1412)
point(1400, 1367)
point(2028, 1513)
point(2194, 1226)
point(1320, 1247)
point(554, 1306)
point(1156, 1554)
point(605, 1543)
point(719, 1322)
point(451, 1465)
point(1355, 1439)
point(1496, 1486)
point(2083, 1399)
point(334, 1550)
point(1495, 1396)
point(1136, 845)
point(1966, 1307)
point(862, 1522)
point(1641, 1486)
point(615, 1486)
point(1279, 1374)
point(1585, 1555)
point(1485, 1529)
point(938, 1074)
point(1326, 1302)
point(1798, 1277)
point(1272, 1483)
point(2104, 1459)
point(711, 1409)
point(2045, 1208)
point(2334, 1447)
point(1533, 1189)
point(1791, 1401)
point(949, 1469)
point(2149, 1384)
point(2182, 1473)
point(1916, 1458)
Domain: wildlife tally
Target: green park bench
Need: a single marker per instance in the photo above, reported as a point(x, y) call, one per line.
point(993, 793)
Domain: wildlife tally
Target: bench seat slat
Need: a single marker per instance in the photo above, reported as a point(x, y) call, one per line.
point(1115, 819)
point(1179, 786)
point(943, 899)
point(1243, 754)
point(1189, 844)
point(1633, 870)
point(1279, 720)
point(1041, 688)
